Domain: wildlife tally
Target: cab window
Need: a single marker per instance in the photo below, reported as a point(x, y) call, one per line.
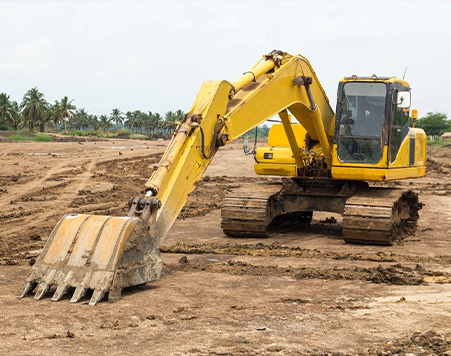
point(361, 122)
point(399, 129)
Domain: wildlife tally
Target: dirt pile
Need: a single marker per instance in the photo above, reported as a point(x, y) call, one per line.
point(428, 343)
point(436, 168)
point(396, 274)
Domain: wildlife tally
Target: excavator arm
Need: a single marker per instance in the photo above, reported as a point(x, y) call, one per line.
point(224, 111)
point(107, 254)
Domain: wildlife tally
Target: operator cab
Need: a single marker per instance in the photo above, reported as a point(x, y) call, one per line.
point(372, 113)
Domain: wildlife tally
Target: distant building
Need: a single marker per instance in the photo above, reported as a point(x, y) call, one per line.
point(446, 136)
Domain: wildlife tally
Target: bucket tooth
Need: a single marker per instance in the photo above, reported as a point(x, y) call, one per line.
point(61, 290)
point(42, 289)
point(25, 289)
point(97, 296)
point(79, 293)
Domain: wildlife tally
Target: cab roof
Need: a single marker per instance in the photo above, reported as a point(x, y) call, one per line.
point(375, 78)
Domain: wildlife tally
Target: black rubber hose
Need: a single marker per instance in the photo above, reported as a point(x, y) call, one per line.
point(213, 144)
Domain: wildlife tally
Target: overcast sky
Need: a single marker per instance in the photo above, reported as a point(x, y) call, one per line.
point(154, 56)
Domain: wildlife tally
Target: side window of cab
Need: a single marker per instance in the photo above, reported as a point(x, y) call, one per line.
point(399, 124)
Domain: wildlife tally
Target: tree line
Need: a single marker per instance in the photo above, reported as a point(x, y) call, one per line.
point(35, 112)
point(434, 123)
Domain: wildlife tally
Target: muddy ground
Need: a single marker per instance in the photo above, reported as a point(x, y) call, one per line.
point(300, 292)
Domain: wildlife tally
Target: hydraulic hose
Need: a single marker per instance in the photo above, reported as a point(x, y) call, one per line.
point(213, 141)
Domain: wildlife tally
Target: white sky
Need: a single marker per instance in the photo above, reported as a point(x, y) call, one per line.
point(154, 56)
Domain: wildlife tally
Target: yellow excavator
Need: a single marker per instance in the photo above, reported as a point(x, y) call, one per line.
point(327, 162)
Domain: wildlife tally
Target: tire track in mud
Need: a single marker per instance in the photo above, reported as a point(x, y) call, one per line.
point(27, 187)
point(6, 151)
point(64, 198)
point(39, 221)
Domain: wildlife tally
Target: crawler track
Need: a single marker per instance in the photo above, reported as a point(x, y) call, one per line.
point(380, 216)
point(246, 213)
point(252, 214)
point(373, 215)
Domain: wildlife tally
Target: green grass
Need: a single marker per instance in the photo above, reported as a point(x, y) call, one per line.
point(75, 132)
point(122, 133)
point(37, 137)
point(19, 137)
point(111, 134)
point(437, 142)
point(138, 136)
point(42, 138)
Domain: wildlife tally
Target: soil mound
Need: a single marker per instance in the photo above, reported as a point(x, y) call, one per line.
point(428, 343)
point(437, 168)
point(398, 274)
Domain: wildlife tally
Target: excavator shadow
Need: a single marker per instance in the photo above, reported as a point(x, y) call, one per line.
point(139, 289)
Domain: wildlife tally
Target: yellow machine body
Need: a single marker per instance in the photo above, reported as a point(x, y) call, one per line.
point(407, 161)
point(277, 159)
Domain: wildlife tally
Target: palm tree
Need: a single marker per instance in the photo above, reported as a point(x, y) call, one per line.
point(137, 118)
point(169, 119)
point(116, 116)
point(148, 122)
point(33, 106)
point(94, 122)
point(55, 111)
point(179, 115)
point(66, 112)
point(128, 119)
point(158, 120)
point(82, 119)
point(46, 118)
point(134, 119)
point(19, 117)
point(152, 121)
point(105, 122)
point(9, 111)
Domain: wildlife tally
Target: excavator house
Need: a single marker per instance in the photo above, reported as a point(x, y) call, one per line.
point(327, 162)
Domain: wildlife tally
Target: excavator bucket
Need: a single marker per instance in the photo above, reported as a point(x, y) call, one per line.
point(89, 252)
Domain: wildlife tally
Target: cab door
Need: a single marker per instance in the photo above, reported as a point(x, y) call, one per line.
point(399, 123)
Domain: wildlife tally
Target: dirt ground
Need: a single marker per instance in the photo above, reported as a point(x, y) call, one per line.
point(301, 292)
